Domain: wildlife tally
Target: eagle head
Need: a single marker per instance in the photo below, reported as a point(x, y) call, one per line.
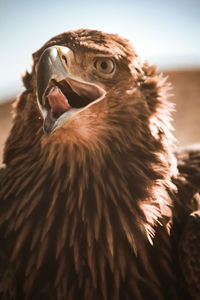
point(87, 86)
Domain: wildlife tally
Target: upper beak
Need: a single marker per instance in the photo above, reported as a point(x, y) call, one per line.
point(51, 67)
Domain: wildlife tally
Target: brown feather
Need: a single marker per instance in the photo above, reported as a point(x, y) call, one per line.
point(86, 211)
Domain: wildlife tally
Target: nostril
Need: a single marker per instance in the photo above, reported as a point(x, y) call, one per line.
point(64, 59)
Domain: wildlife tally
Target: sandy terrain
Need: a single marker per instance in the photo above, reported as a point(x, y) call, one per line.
point(186, 89)
point(5, 123)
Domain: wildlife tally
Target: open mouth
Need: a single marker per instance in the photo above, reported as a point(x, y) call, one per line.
point(66, 97)
point(60, 95)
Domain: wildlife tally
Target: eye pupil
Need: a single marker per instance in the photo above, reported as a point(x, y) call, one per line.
point(104, 65)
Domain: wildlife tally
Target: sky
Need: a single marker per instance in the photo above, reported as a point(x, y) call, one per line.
point(164, 32)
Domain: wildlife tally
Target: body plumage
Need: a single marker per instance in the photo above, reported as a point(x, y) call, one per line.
point(88, 207)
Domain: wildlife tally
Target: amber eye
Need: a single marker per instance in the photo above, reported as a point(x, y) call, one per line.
point(104, 65)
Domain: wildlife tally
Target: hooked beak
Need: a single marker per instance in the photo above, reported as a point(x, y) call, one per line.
point(60, 94)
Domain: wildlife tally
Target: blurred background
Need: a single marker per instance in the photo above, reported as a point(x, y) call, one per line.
point(165, 33)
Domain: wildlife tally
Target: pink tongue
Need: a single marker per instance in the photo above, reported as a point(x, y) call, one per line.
point(58, 102)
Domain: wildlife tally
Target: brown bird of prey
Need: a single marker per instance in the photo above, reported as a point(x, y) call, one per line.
point(92, 203)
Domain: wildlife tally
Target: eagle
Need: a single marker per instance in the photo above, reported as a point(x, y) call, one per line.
point(95, 203)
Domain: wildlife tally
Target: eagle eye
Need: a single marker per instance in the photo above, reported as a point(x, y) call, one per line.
point(104, 65)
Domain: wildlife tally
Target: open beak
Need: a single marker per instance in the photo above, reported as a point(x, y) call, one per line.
point(60, 94)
